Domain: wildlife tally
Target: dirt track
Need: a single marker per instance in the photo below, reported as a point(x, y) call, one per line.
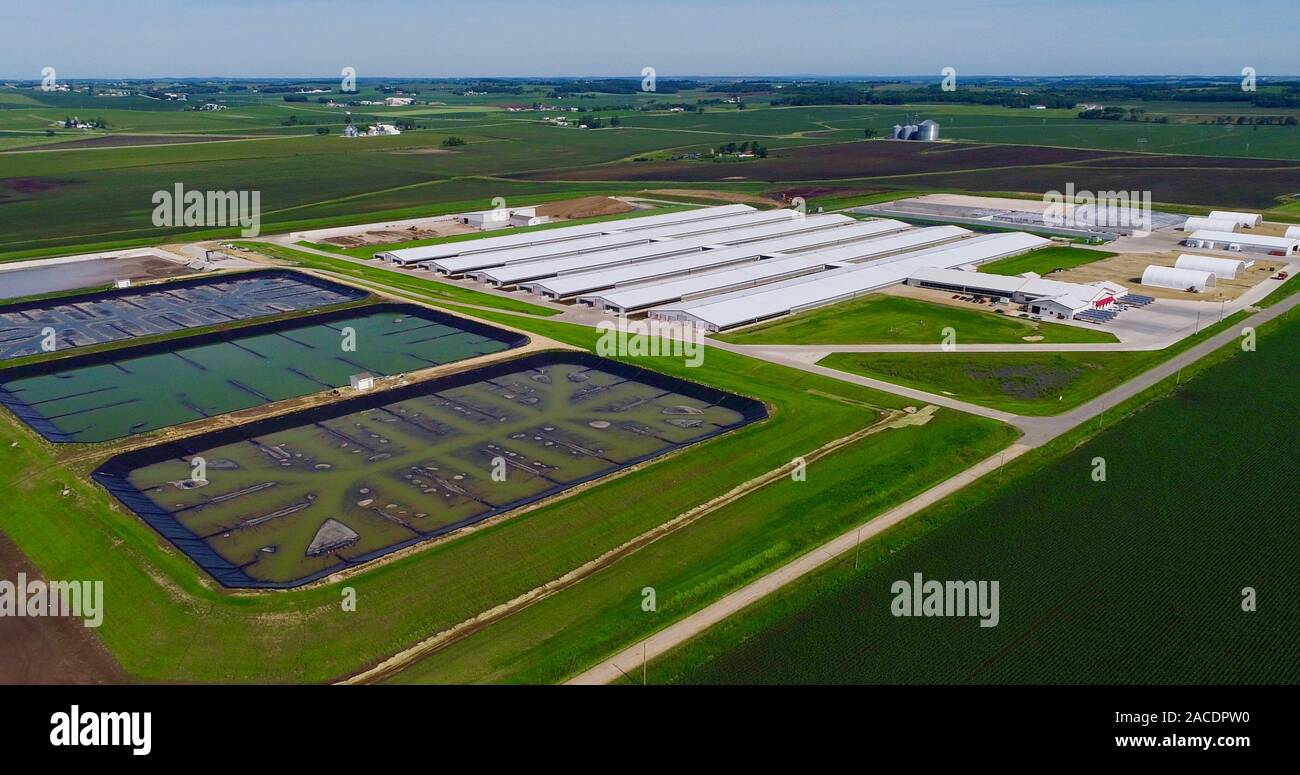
point(48, 650)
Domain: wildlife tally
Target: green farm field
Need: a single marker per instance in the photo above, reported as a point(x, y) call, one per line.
point(1045, 261)
point(1090, 592)
point(1030, 383)
point(885, 319)
point(306, 178)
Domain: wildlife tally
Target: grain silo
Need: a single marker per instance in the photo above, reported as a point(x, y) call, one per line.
point(928, 131)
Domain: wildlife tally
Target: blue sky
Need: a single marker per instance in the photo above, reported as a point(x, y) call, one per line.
point(299, 38)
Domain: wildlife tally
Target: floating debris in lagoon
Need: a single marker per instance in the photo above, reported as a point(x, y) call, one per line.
point(332, 536)
point(679, 409)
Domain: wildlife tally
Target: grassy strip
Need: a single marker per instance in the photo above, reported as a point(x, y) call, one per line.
point(885, 319)
point(846, 201)
point(166, 621)
point(1046, 260)
point(1089, 592)
point(433, 288)
point(1029, 383)
point(1288, 289)
point(705, 560)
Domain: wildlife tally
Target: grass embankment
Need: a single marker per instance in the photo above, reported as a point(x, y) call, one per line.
point(166, 621)
point(884, 319)
point(690, 568)
point(433, 289)
point(1031, 383)
point(1135, 579)
point(1045, 260)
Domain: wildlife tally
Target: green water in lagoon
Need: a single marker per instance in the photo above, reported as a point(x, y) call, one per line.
point(415, 467)
point(111, 400)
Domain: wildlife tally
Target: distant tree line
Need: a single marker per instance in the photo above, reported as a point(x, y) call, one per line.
point(1283, 95)
point(560, 89)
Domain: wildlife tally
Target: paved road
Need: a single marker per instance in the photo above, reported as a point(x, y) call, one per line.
point(1038, 431)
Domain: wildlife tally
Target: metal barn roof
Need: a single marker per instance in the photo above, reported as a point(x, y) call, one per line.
point(615, 239)
point(1005, 285)
point(464, 264)
point(545, 236)
point(1178, 279)
point(1258, 240)
point(521, 271)
point(1245, 219)
point(569, 284)
point(780, 298)
point(1197, 223)
point(1225, 268)
point(637, 297)
point(874, 249)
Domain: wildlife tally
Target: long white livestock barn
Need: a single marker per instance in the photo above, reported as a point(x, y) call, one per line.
point(728, 225)
point(517, 272)
point(1223, 268)
point(1249, 220)
point(642, 295)
point(568, 284)
point(406, 256)
point(716, 313)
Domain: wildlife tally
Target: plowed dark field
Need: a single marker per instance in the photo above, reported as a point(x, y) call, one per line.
point(1254, 183)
